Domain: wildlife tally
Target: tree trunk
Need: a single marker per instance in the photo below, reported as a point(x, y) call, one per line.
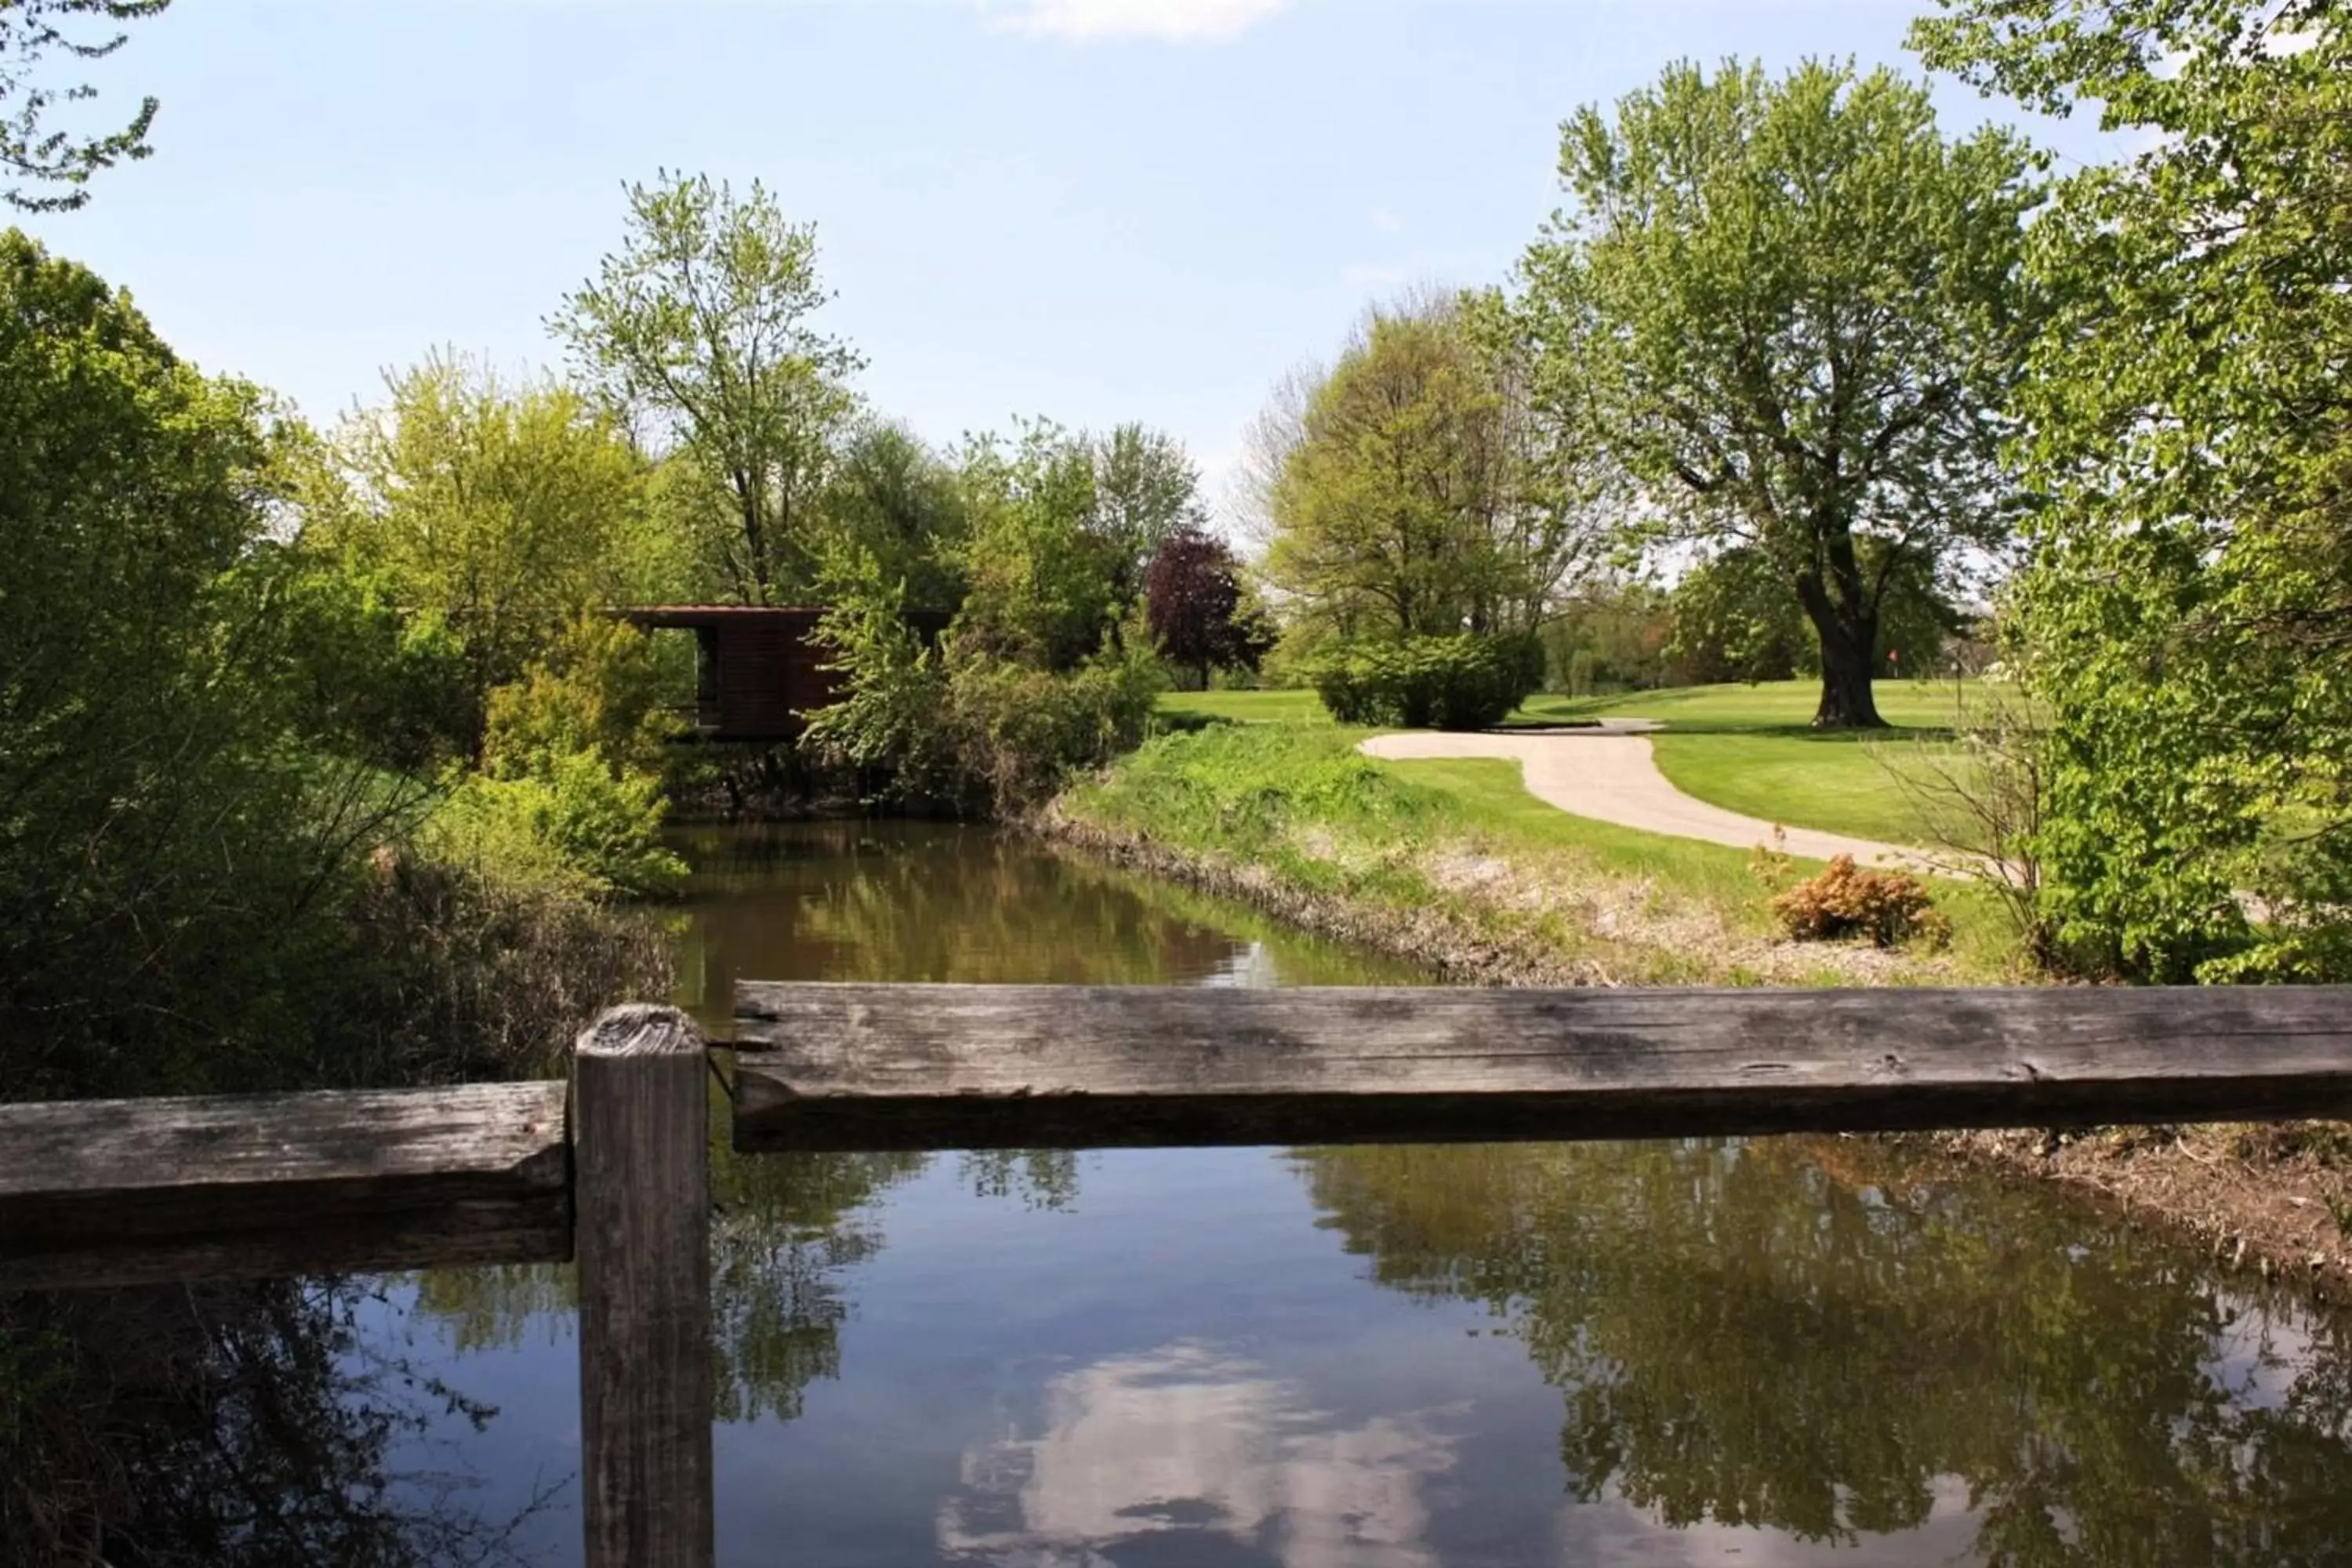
point(1847, 703)
point(1848, 634)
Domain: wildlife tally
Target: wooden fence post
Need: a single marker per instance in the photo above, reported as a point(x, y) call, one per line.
point(641, 1171)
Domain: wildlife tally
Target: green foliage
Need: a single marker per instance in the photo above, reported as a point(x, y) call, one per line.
point(597, 688)
point(1735, 619)
point(1433, 682)
point(969, 722)
point(1020, 731)
point(30, 149)
point(569, 822)
point(891, 498)
point(1145, 492)
point(1044, 580)
point(1612, 635)
point(2190, 428)
point(1794, 311)
point(491, 514)
point(1420, 499)
point(367, 680)
point(160, 860)
point(211, 740)
point(700, 323)
point(571, 780)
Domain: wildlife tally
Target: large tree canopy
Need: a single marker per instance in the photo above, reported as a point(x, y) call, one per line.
point(2190, 413)
point(1417, 495)
point(495, 512)
point(700, 323)
point(1793, 310)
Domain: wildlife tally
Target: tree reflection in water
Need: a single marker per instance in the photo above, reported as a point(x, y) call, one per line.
point(783, 1229)
point(1743, 1339)
point(251, 1425)
point(908, 902)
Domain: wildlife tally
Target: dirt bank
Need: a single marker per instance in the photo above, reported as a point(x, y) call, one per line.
point(2276, 1199)
point(1460, 952)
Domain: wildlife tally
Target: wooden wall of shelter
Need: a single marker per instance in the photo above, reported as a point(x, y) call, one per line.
point(759, 671)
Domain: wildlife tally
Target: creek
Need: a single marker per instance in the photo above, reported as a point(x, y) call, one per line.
point(1770, 1352)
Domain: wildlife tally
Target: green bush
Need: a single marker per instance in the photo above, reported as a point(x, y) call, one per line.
point(570, 824)
point(960, 724)
point(598, 688)
point(1467, 682)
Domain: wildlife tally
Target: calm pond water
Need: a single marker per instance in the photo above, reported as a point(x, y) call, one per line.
point(1696, 1352)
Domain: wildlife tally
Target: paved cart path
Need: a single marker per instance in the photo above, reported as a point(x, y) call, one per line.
point(1608, 775)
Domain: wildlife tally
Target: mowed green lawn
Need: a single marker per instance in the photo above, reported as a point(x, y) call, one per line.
point(1302, 707)
point(1748, 748)
point(1752, 750)
point(1768, 705)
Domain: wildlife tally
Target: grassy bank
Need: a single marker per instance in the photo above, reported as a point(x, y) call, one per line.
point(1455, 861)
point(1748, 748)
point(1456, 865)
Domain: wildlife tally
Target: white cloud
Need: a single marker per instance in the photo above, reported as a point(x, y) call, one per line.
point(1170, 21)
point(1386, 221)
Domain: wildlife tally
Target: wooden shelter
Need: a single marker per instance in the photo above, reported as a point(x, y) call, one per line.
point(759, 671)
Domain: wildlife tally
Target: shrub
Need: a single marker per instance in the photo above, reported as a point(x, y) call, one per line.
point(1890, 907)
point(459, 972)
point(571, 824)
point(1018, 733)
point(1467, 682)
point(958, 725)
point(598, 689)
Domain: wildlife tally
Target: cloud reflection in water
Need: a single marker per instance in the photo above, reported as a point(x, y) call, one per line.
point(1185, 1438)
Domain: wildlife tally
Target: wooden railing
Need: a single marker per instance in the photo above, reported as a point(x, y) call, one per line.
point(614, 1171)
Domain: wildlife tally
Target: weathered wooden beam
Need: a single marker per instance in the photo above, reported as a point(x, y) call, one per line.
point(120, 1192)
point(641, 1139)
point(939, 1067)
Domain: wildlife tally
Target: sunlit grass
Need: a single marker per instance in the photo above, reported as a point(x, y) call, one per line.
point(1770, 704)
point(1299, 707)
point(1298, 801)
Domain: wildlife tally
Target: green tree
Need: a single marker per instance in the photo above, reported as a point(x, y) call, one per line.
point(1794, 312)
point(1412, 501)
point(158, 858)
point(2192, 427)
point(495, 512)
point(1044, 581)
point(1146, 491)
point(1735, 619)
point(31, 149)
point(699, 323)
point(1611, 634)
point(890, 496)
point(1031, 678)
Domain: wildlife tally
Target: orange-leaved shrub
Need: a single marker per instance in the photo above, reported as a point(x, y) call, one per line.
point(1890, 907)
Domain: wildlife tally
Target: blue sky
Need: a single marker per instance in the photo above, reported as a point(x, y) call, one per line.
point(1094, 210)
